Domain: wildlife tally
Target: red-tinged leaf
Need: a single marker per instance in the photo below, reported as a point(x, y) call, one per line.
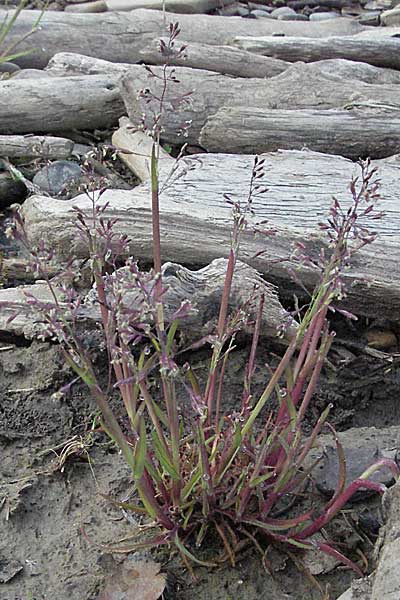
point(135, 580)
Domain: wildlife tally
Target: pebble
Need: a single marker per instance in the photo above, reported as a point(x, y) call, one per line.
point(357, 461)
point(8, 67)
point(11, 190)
point(56, 177)
point(261, 14)
point(283, 10)
point(323, 16)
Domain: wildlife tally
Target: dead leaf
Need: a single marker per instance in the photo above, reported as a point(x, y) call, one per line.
point(135, 580)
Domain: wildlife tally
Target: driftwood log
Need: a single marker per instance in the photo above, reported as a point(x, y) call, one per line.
point(357, 133)
point(59, 104)
point(34, 146)
point(381, 52)
point(177, 6)
point(302, 86)
point(196, 221)
point(203, 288)
point(224, 60)
point(134, 149)
point(221, 59)
point(119, 37)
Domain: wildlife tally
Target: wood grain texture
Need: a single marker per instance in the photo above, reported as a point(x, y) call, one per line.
point(196, 220)
point(358, 133)
point(203, 288)
point(34, 146)
point(59, 104)
point(220, 59)
point(302, 86)
point(384, 52)
point(120, 37)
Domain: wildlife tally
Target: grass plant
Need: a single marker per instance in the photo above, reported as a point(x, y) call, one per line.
point(8, 50)
point(195, 466)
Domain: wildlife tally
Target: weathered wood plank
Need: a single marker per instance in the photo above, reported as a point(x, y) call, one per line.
point(383, 52)
point(119, 37)
point(357, 133)
point(196, 220)
point(302, 86)
point(59, 104)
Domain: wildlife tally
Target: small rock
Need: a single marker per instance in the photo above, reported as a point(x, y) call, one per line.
point(81, 149)
point(357, 461)
point(295, 17)
point(11, 190)
point(9, 568)
point(323, 16)
point(283, 10)
point(9, 67)
point(382, 339)
point(56, 177)
point(261, 14)
point(391, 17)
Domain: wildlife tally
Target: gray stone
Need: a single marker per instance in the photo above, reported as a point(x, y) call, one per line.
point(11, 190)
point(357, 461)
point(9, 67)
point(362, 447)
point(283, 10)
point(323, 16)
point(58, 176)
point(261, 14)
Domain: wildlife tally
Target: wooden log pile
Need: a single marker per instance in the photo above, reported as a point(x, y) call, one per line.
point(311, 96)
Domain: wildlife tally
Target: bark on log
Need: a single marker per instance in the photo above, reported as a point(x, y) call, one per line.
point(221, 59)
point(299, 87)
point(357, 133)
point(196, 221)
point(59, 104)
point(383, 52)
point(34, 146)
point(120, 37)
point(224, 60)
